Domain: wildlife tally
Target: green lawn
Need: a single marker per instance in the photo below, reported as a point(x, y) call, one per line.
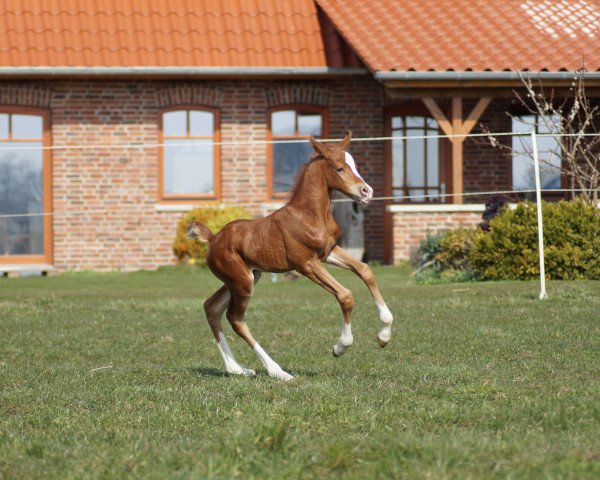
point(117, 376)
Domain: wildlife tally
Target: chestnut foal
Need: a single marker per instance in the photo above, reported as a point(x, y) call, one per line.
point(298, 237)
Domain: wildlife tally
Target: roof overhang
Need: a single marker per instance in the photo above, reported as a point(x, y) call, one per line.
point(486, 79)
point(179, 72)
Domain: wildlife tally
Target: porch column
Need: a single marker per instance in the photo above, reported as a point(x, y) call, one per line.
point(457, 127)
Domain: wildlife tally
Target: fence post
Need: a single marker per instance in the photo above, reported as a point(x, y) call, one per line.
point(538, 198)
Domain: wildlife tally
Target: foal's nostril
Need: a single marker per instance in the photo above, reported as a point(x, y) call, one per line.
point(366, 191)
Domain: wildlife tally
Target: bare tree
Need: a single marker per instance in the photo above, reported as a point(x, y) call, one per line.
point(573, 124)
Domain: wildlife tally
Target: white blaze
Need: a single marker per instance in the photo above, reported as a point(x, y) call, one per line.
point(352, 165)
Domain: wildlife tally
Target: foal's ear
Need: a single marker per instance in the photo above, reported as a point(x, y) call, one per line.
point(318, 146)
point(346, 141)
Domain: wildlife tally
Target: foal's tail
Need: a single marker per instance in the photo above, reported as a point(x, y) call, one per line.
point(199, 231)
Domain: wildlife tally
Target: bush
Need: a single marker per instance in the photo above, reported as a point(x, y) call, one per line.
point(214, 217)
point(509, 251)
point(446, 257)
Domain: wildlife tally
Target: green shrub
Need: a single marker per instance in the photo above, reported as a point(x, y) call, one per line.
point(215, 217)
point(509, 251)
point(445, 257)
point(455, 249)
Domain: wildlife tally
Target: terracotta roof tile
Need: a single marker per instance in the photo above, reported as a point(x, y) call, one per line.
point(212, 33)
point(474, 35)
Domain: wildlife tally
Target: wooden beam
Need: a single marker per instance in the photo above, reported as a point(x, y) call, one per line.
point(457, 150)
point(456, 126)
point(439, 116)
point(475, 114)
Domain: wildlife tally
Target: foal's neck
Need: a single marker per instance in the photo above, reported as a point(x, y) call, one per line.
point(311, 194)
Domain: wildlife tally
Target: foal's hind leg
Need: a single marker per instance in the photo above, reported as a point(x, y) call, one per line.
point(341, 258)
point(241, 291)
point(214, 308)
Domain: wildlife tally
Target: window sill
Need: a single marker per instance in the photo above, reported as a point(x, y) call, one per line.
point(25, 268)
point(428, 208)
point(174, 207)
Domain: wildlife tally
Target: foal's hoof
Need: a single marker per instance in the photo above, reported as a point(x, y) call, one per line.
point(382, 343)
point(281, 375)
point(335, 354)
point(245, 372)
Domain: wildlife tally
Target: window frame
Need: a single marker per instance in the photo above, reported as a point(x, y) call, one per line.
point(304, 108)
point(216, 138)
point(444, 146)
point(46, 258)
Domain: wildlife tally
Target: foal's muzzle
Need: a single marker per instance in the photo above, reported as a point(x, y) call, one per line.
point(365, 194)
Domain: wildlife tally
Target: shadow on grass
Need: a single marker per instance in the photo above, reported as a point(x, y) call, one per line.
point(208, 372)
point(216, 373)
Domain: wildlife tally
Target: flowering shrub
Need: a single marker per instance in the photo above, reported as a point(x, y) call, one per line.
point(191, 251)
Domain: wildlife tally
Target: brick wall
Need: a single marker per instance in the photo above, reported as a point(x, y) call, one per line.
point(485, 168)
point(409, 228)
point(117, 188)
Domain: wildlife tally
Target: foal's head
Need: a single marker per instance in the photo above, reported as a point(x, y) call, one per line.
point(340, 172)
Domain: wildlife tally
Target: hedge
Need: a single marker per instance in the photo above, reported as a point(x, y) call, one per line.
point(509, 251)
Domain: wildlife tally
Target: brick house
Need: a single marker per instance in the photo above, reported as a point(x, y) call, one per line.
point(102, 109)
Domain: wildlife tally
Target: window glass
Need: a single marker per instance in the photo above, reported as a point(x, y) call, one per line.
point(433, 159)
point(309, 123)
point(201, 123)
point(175, 123)
point(288, 158)
point(397, 122)
point(27, 126)
point(398, 162)
point(283, 122)
point(412, 122)
point(189, 153)
point(188, 169)
point(3, 125)
point(21, 191)
point(416, 160)
point(523, 171)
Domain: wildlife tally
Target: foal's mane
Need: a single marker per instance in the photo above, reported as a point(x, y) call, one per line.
point(302, 174)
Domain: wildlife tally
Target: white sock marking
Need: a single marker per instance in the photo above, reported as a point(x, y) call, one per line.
point(386, 318)
point(231, 365)
point(273, 369)
point(345, 339)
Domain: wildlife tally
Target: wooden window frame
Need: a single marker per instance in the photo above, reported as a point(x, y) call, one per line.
point(216, 138)
point(47, 257)
point(304, 108)
point(444, 148)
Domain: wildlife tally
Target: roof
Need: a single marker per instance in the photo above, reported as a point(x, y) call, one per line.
point(470, 35)
point(281, 37)
point(171, 33)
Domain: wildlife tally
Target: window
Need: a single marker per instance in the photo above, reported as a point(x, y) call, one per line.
point(190, 158)
point(415, 163)
point(523, 174)
point(287, 158)
point(24, 188)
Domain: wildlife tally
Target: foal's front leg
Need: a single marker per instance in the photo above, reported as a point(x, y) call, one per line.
point(340, 258)
point(318, 274)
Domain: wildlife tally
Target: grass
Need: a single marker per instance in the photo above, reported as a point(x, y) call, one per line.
point(116, 376)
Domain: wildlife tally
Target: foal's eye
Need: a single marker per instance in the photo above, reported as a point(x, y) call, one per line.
point(339, 170)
